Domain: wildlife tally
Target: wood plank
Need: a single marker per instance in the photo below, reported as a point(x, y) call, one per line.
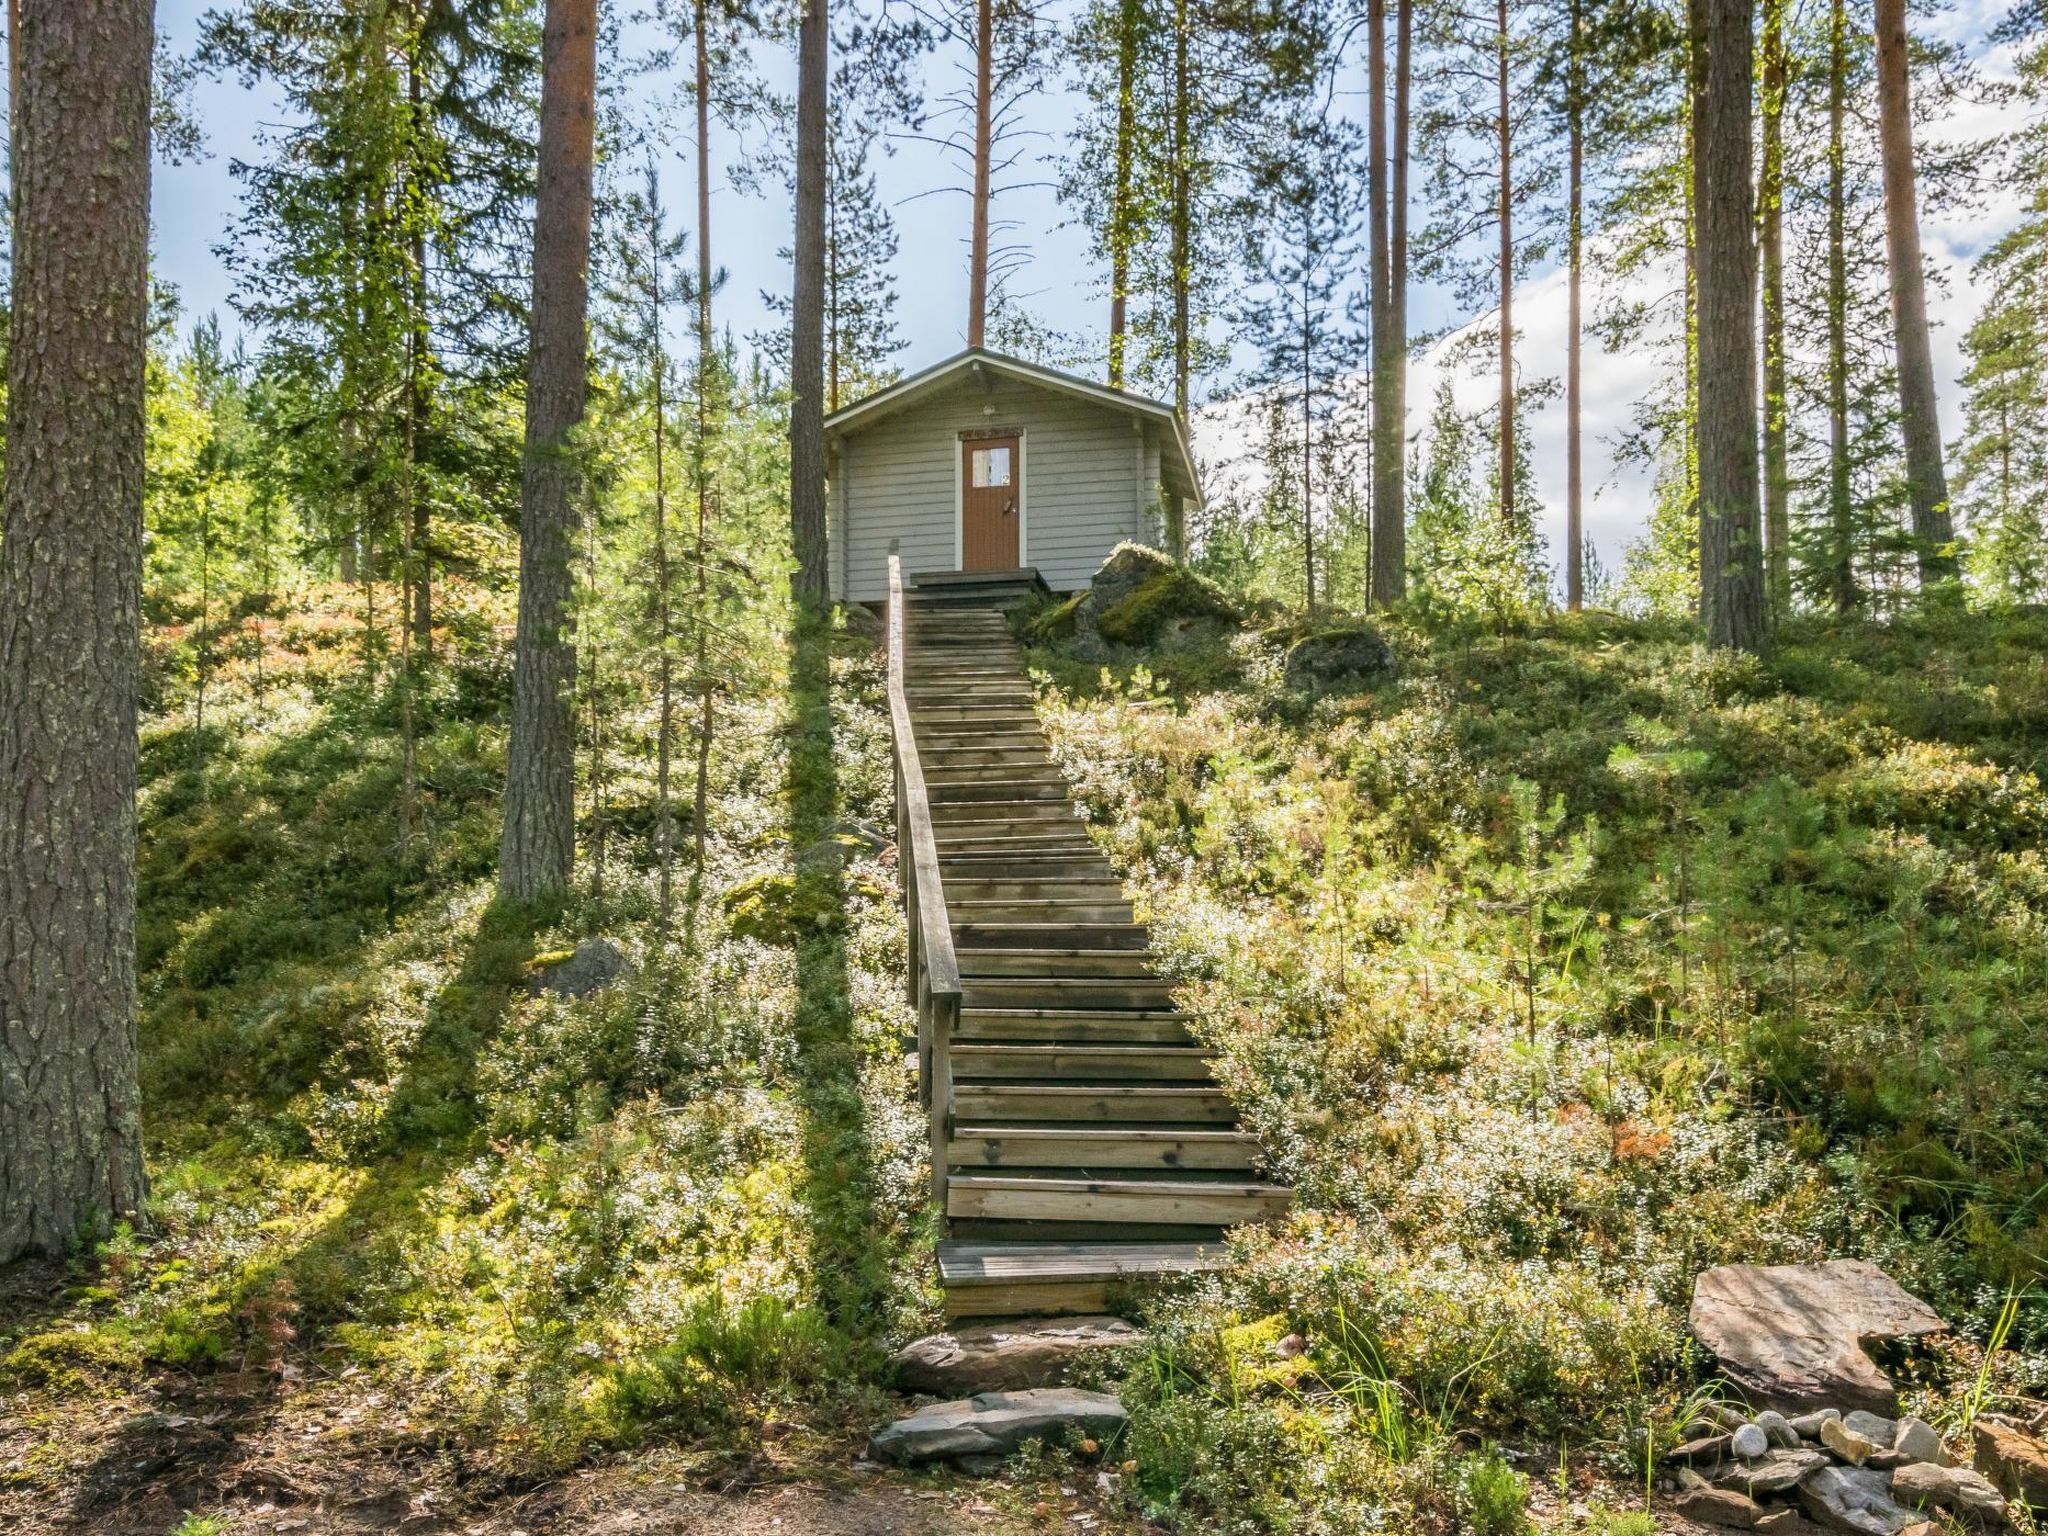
point(1079, 1063)
point(1064, 992)
point(1123, 1147)
point(1000, 910)
point(987, 1196)
point(1046, 935)
point(979, 1103)
point(1027, 1025)
point(968, 1264)
point(1094, 963)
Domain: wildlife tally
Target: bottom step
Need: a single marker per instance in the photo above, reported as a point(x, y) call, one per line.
point(1018, 1279)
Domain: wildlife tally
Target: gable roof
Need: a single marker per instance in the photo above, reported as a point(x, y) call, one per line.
point(1176, 458)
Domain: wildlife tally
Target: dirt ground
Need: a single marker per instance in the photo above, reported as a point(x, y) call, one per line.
point(329, 1461)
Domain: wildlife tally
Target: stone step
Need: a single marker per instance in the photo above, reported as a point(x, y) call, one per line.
point(1179, 1202)
point(1082, 1064)
point(1074, 1026)
point(1089, 1104)
point(1009, 1279)
point(992, 1146)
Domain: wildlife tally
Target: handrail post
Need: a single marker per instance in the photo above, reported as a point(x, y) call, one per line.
point(932, 970)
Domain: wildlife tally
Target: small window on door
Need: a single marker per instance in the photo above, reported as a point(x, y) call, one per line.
point(991, 467)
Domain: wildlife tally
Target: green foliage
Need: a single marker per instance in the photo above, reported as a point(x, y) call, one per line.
point(1494, 1495)
point(778, 909)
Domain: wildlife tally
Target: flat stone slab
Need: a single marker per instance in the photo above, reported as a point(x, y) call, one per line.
point(1923, 1485)
point(1775, 1473)
point(1853, 1500)
point(1792, 1336)
point(996, 1423)
point(1007, 1356)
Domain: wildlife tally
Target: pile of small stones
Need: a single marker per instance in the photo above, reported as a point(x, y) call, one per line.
point(1855, 1472)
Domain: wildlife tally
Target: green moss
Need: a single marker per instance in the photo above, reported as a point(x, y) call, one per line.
point(780, 909)
point(1164, 606)
point(69, 1362)
point(1056, 623)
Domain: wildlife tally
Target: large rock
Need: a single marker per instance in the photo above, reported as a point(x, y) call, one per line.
point(1128, 568)
point(1353, 657)
point(1007, 1355)
point(1923, 1485)
point(996, 1423)
point(1853, 1500)
point(2015, 1461)
point(593, 964)
point(1718, 1506)
point(1791, 1336)
point(1172, 608)
point(1775, 1473)
point(1917, 1440)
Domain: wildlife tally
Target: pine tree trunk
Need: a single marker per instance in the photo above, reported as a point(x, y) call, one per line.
point(807, 320)
point(1575, 199)
point(70, 624)
point(708, 422)
point(1731, 548)
point(1507, 275)
point(417, 343)
point(1841, 515)
point(1933, 528)
point(1771, 247)
point(664, 608)
point(1182, 217)
point(538, 851)
point(1121, 235)
point(984, 128)
point(1389, 340)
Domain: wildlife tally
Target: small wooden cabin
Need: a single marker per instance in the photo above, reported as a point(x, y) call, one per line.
point(989, 463)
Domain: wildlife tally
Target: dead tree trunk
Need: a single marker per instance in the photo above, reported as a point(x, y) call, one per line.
point(538, 851)
point(70, 624)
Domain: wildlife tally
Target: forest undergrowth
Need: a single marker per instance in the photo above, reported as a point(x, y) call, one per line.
point(1565, 962)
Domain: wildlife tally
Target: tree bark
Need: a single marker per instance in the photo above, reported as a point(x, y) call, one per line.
point(1181, 216)
point(1933, 528)
point(70, 623)
point(984, 128)
point(1385, 192)
point(1771, 247)
point(538, 850)
point(708, 422)
point(1507, 275)
point(1120, 232)
point(1575, 198)
point(1841, 523)
point(1731, 564)
point(812, 586)
point(418, 344)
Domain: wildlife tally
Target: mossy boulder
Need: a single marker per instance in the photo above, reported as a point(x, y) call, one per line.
point(1171, 606)
point(1056, 622)
point(1345, 659)
point(781, 909)
point(1128, 568)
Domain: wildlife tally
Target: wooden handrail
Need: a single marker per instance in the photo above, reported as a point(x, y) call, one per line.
point(933, 970)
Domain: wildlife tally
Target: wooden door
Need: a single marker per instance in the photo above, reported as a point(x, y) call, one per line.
point(991, 503)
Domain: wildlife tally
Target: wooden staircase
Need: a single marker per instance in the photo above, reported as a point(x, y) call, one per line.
point(1078, 1137)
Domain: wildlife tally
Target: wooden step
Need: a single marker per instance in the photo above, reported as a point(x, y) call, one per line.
point(1004, 1197)
point(999, 1279)
point(998, 910)
point(1064, 992)
point(982, 789)
point(1077, 1026)
point(1049, 935)
point(1082, 1064)
point(994, 1146)
point(1003, 730)
point(1089, 1104)
point(971, 886)
point(1059, 961)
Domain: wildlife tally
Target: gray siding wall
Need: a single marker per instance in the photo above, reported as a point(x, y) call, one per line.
point(1089, 476)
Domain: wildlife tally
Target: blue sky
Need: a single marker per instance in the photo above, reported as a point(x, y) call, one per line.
point(196, 207)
